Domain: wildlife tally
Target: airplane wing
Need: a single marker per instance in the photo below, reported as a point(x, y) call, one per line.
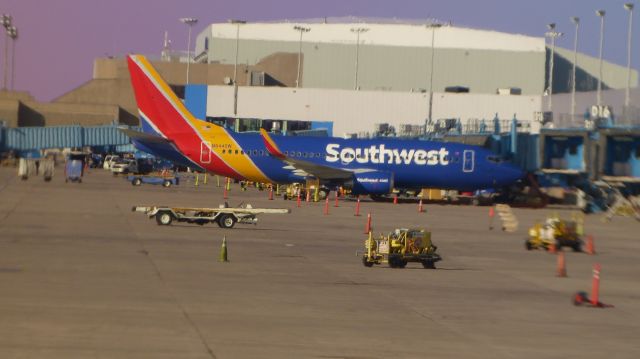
point(144, 137)
point(314, 169)
point(160, 147)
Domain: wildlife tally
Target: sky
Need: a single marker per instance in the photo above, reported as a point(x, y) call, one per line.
point(58, 40)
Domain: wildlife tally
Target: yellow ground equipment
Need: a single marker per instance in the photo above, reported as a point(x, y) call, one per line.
point(291, 191)
point(561, 232)
point(401, 247)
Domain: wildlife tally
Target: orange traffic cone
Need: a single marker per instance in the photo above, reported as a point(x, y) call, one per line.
point(561, 270)
point(552, 248)
point(367, 229)
point(591, 249)
point(492, 214)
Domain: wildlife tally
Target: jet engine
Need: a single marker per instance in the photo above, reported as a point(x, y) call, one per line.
point(373, 182)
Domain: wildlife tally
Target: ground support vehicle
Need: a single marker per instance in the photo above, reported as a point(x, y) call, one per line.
point(47, 166)
point(109, 160)
point(224, 216)
point(560, 232)
point(165, 181)
point(401, 247)
point(74, 168)
point(73, 171)
point(124, 166)
point(291, 192)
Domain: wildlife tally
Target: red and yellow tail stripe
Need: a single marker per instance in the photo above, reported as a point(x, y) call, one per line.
point(272, 147)
point(169, 115)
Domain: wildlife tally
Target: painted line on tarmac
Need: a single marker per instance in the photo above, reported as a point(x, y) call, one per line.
point(173, 296)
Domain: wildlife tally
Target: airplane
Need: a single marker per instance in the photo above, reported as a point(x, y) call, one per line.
point(366, 166)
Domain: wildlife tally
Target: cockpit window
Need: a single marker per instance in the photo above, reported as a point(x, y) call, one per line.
point(495, 159)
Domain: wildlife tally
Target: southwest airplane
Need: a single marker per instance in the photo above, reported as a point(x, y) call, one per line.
point(366, 166)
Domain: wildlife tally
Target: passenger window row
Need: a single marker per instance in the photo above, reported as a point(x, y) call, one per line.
point(241, 152)
point(301, 154)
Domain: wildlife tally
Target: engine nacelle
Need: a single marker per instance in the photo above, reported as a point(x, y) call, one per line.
point(374, 182)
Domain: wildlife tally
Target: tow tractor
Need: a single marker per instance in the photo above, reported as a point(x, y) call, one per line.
point(401, 247)
point(224, 216)
point(561, 232)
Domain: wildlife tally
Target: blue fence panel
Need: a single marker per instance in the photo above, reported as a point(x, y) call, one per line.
point(38, 138)
point(125, 148)
point(104, 136)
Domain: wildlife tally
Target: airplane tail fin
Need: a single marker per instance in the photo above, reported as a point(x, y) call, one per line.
point(161, 111)
point(270, 144)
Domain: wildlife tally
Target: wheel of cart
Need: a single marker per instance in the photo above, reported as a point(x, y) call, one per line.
point(166, 183)
point(366, 262)
point(577, 246)
point(429, 264)
point(396, 261)
point(164, 218)
point(227, 220)
point(137, 181)
point(528, 245)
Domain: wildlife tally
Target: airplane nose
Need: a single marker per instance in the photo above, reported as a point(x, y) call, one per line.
point(514, 173)
point(509, 174)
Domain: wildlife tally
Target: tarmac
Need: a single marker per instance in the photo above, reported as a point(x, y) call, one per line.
point(83, 276)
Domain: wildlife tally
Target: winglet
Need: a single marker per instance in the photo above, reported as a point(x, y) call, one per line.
point(271, 145)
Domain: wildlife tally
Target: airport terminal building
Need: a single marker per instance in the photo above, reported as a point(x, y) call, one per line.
point(348, 75)
point(360, 74)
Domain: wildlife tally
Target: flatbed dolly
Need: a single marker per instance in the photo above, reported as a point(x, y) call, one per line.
point(224, 216)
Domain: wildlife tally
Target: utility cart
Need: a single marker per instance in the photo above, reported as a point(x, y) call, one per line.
point(74, 168)
point(401, 247)
point(224, 216)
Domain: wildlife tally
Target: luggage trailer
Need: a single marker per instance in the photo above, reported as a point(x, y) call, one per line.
point(224, 216)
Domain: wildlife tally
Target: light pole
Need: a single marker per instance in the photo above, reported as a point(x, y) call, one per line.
point(13, 34)
point(576, 21)
point(302, 30)
point(629, 7)
point(189, 21)
point(235, 64)
point(552, 34)
point(600, 14)
point(433, 28)
point(357, 31)
point(6, 23)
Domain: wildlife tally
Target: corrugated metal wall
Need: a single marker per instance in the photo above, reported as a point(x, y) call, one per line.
point(38, 138)
point(358, 111)
point(104, 136)
point(397, 68)
point(526, 154)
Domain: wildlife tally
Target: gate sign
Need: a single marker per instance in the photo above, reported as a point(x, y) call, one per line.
point(601, 111)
